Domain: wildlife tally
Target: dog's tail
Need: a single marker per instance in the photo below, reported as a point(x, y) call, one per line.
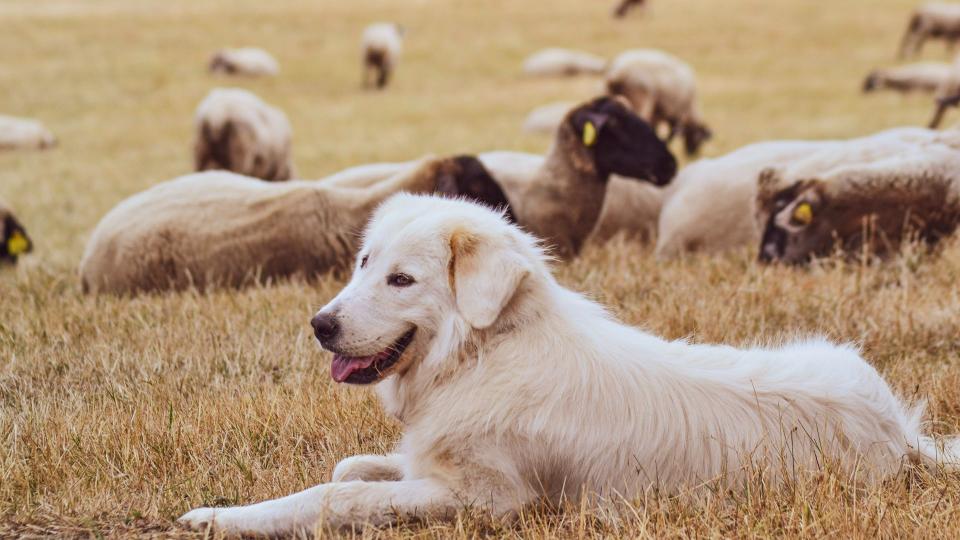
point(934, 455)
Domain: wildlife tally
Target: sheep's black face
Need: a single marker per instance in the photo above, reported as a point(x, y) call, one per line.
point(15, 240)
point(694, 135)
point(467, 177)
point(622, 143)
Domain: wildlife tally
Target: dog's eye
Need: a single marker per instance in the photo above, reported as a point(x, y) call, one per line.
point(399, 280)
point(363, 261)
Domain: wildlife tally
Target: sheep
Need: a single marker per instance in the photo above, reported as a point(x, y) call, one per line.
point(546, 118)
point(711, 205)
point(555, 61)
point(918, 77)
point(14, 241)
point(382, 44)
point(24, 133)
point(559, 197)
point(625, 6)
point(931, 20)
point(662, 89)
point(246, 61)
point(947, 96)
point(239, 132)
point(223, 229)
point(868, 211)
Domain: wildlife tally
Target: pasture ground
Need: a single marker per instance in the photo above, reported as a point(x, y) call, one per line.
point(118, 415)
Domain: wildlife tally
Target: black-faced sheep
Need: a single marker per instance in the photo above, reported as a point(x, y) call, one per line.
point(931, 21)
point(857, 212)
point(14, 240)
point(625, 6)
point(24, 133)
point(223, 229)
point(918, 77)
point(662, 89)
point(237, 131)
point(245, 61)
point(382, 44)
point(711, 205)
point(557, 62)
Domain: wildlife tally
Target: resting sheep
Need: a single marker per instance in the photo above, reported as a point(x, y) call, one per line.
point(237, 131)
point(24, 133)
point(918, 77)
point(14, 241)
point(554, 62)
point(711, 206)
point(662, 89)
point(382, 44)
point(860, 212)
point(546, 118)
point(931, 21)
point(245, 61)
point(219, 228)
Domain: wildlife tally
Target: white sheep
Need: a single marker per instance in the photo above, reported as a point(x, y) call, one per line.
point(662, 89)
point(711, 205)
point(237, 131)
point(14, 240)
point(382, 44)
point(933, 20)
point(546, 118)
point(220, 228)
point(917, 77)
point(24, 133)
point(245, 61)
point(555, 61)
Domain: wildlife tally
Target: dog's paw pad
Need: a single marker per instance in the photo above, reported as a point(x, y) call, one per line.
point(198, 518)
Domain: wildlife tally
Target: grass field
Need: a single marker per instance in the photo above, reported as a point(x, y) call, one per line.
point(118, 415)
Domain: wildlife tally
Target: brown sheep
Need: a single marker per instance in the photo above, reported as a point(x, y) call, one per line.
point(931, 21)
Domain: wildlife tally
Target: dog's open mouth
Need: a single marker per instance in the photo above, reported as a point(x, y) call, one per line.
point(369, 369)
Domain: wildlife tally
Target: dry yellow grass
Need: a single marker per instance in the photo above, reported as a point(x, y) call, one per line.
point(117, 415)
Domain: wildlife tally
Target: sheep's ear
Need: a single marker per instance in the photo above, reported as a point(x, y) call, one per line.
point(768, 181)
point(483, 276)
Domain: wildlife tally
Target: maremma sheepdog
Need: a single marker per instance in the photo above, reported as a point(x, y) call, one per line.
point(512, 389)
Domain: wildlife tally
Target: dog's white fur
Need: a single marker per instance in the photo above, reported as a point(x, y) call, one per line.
point(516, 389)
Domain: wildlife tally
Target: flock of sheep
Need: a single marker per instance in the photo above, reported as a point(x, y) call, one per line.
point(609, 172)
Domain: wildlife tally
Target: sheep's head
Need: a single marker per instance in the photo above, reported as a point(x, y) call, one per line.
point(694, 135)
point(466, 177)
point(15, 241)
point(857, 213)
point(611, 139)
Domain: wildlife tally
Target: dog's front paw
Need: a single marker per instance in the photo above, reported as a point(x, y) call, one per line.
point(198, 518)
point(220, 519)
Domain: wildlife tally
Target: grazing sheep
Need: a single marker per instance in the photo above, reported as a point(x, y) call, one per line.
point(546, 118)
point(931, 21)
point(625, 6)
point(554, 62)
point(14, 241)
point(219, 228)
point(560, 197)
point(918, 77)
point(246, 61)
point(662, 89)
point(24, 133)
point(711, 207)
point(382, 44)
point(866, 211)
point(236, 131)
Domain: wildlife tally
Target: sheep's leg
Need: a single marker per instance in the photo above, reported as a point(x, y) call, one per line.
point(383, 76)
point(335, 505)
point(369, 468)
point(942, 105)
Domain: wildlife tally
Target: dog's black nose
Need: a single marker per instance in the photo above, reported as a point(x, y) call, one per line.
point(325, 326)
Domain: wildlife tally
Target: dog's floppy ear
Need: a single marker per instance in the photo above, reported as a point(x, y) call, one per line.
point(483, 277)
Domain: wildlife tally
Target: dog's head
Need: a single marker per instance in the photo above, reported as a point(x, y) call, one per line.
point(430, 272)
point(606, 136)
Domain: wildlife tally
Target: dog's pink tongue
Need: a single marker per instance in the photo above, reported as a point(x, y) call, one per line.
point(343, 366)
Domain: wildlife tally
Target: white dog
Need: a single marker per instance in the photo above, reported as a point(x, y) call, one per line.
point(513, 389)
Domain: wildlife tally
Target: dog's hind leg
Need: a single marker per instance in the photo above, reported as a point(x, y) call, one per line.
point(369, 468)
point(336, 505)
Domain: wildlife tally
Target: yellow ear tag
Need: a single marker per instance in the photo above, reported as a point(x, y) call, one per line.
point(17, 243)
point(803, 213)
point(589, 134)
